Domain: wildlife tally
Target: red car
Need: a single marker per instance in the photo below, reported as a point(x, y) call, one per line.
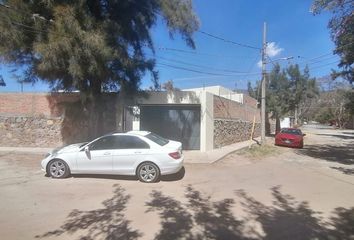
point(290, 137)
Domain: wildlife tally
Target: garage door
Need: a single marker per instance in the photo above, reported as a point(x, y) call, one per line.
point(175, 122)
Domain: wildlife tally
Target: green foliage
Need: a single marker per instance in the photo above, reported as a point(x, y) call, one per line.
point(89, 45)
point(335, 106)
point(324, 115)
point(342, 32)
point(278, 97)
point(288, 90)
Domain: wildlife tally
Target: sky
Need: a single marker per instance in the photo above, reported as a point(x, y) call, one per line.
point(292, 32)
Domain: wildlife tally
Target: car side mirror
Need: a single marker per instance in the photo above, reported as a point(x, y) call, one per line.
point(87, 149)
point(87, 152)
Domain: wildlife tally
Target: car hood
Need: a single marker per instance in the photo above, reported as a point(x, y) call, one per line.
point(289, 136)
point(70, 148)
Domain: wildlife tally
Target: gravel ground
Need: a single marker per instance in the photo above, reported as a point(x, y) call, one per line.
point(287, 194)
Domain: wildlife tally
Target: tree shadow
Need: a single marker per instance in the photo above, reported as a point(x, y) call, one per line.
point(347, 171)
point(285, 219)
point(348, 133)
point(337, 136)
point(201, 218)
point(343, 154)
point(105, 223)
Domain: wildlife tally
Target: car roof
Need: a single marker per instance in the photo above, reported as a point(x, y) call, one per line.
point(140, 133)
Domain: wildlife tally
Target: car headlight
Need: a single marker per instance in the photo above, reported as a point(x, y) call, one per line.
point(47, 155)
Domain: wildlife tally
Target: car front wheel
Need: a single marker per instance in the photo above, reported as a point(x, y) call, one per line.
point(148, 172)
point(58, 169)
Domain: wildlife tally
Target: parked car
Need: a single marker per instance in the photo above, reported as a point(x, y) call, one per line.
point(290, 137)
point(139, 153)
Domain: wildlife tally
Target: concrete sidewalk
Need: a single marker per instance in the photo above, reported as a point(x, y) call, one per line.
point(217, 154)
point(190, 156)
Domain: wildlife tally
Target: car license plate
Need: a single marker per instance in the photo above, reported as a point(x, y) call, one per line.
point(287, 141)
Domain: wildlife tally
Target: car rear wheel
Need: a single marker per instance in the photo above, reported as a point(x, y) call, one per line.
point(58, 169)
point(148, 172)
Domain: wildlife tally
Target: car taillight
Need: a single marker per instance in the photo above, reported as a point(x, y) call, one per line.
point(175, 155)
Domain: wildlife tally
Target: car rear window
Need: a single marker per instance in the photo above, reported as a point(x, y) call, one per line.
point(157, 139)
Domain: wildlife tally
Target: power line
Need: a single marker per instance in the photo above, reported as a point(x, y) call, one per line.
point(228, 41)
point(199, 66)
point(198, 53)
point(324, 55)
point(322, 60)
point(324, 65)
point(203, 72)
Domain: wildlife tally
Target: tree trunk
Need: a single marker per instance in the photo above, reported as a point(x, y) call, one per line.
point(296, 117)
point(95, 108)
point(277, 124)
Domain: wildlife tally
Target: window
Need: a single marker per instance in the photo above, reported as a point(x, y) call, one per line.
point(157, 139)
point(131, 142)
point(292, 131)
point(103, 143)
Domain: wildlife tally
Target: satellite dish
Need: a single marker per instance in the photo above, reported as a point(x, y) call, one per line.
point(2, 82)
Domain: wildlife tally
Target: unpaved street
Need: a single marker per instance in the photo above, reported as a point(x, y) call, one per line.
point(288, 194)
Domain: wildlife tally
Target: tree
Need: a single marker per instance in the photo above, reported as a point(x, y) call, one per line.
point(335, 107)
point(278, 96)
point(306, 89)
point(342, 32)
point(169, 86)
point(89, 45)
point(289, 91)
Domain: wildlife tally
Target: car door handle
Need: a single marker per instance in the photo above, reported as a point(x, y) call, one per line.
point(107, 153)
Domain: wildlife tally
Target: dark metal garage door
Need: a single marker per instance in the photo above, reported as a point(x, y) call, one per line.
point(175, 122)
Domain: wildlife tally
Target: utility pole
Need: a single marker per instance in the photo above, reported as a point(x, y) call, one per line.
point(263, 99)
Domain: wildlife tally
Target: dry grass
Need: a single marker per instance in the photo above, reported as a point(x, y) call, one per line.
point(257, 151)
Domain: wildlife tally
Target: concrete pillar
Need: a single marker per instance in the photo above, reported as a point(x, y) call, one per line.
point(207, 121)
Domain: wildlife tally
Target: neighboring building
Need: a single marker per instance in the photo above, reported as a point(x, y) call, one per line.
point(201, 118)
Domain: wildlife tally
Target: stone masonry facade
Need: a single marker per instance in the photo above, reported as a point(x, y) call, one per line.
point(233, 121)
point(48, 120)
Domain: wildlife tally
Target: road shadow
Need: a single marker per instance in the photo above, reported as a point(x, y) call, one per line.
point(174, 177)
point(201, 218)
point(198, 217)
point(337, 136)
point(166, 178)
point(348, 133)
point(343, 154)
point(107, 222)
point(347, 171)
point(288, 218)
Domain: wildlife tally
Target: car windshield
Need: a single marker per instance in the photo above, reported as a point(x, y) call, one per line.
point(157, 139)
point(292, 131)
point(83, 144)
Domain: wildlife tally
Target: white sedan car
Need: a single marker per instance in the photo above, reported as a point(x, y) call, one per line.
point(139, 153)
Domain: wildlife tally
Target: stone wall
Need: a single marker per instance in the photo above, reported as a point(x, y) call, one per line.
point(30, 131)
point(228, 109)
point(233, 120)
point(50, 120)
point(231, 131)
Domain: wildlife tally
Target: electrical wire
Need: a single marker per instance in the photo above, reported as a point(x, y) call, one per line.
point(203, 72)
point(228, 41)
point(199, 66)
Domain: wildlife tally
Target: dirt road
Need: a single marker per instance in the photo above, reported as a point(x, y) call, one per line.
point(289, 194)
